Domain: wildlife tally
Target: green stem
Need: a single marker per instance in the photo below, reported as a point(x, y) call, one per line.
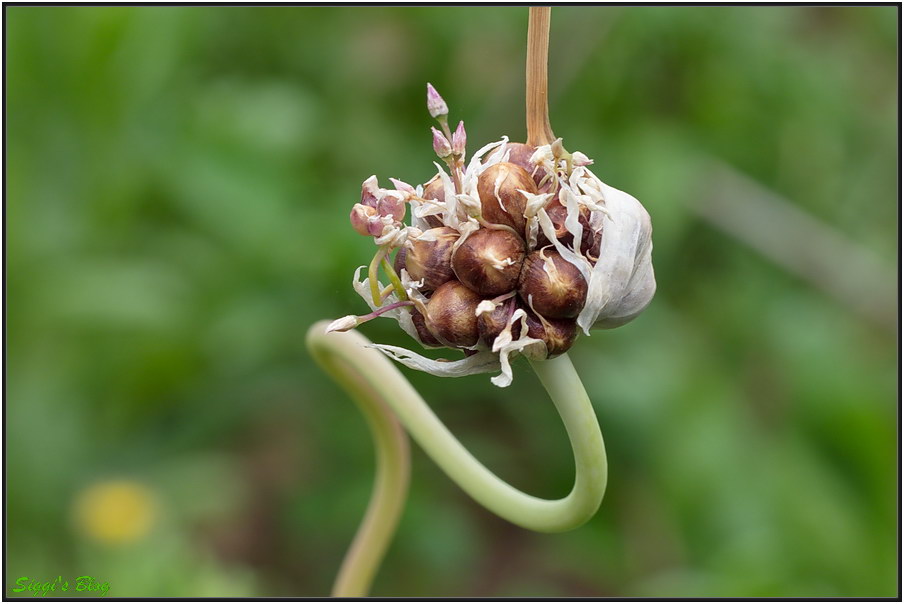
point(372, 274)
point(444, 124)
point(394, 280)
point(390, 484)
point(376, 383)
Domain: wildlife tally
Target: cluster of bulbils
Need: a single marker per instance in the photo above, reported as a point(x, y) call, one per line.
point(511, 252)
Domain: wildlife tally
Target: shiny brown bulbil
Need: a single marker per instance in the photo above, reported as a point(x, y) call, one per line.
point(491, 324)
point(520, 154)
point(489, 261)
point(505, 204)
point(557, 334)
point(451, 314)
point(434, 189)
point(555, 287)
point(420, 325)
point(431, 260)
point(399, 262)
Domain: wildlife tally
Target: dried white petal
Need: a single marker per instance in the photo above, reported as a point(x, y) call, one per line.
point(485, 306)
point(403, 186)
point(579, 159)
point(481, 362)
point(572, 218)
point(412, 288)
point(470, 203)
point(533, 205)
point(571, 256)
point(505, 346)
point(500, 263)
point(465, 228)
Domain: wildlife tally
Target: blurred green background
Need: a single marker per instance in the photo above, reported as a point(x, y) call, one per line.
point(178, 187)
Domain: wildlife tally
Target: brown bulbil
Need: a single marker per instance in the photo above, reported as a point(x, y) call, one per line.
point(519, 154)
point(590, 241)
point(399, 262)
point(420, 325)
point(489, 261)
point(491, 324)
point(557, 334)
point(432, 260)
point(555, 287)
point(434, 190)
point(450, 314)
point(508, 207)
point(592, 249)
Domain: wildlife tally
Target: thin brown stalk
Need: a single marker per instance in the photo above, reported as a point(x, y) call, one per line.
point(539, 132)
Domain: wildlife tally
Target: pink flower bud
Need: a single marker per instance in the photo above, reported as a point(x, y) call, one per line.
point(359, 218)
point(391, 205)
point(435, 103)
point(459, 139)
point(441, 144)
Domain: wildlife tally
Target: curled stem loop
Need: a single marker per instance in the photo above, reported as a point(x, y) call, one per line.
point(387, 398)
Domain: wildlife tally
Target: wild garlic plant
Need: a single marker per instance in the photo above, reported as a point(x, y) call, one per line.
point(514, 250)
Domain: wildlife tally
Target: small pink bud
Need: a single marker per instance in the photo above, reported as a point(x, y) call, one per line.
point(391, 205)
point(441, 144)
point(435, 103)
point(359, 217)
point(459, 139)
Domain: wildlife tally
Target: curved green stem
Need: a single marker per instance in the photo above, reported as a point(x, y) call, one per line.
point(394, 280)
point(372, 274)
point(392, 474)
point(376, 383)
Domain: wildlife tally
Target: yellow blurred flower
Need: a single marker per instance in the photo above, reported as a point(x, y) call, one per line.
point(115, 511)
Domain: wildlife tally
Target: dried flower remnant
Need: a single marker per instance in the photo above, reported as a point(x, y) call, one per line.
point(515, 250)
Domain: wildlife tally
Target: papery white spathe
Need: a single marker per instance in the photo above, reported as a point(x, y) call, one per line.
point(622, 281)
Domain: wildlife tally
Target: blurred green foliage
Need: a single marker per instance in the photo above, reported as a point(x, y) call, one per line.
point(178, 181)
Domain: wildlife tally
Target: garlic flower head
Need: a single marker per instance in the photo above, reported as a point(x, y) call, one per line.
point(515, 251)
